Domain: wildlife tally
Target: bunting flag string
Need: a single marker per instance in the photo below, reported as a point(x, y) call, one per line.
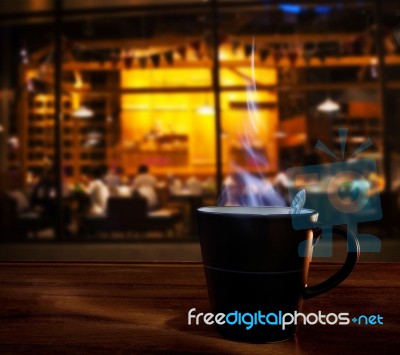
point(196, 45)
point(155, 59)
point(264, 54)
point(273, 52)
point(115, 59)
point(293, 55)
point(235, 44)
point(277, 56)
point(127, 58)
point(307, 56)
point(248, 49)
point(143, 62)
point(182, 52)
point(169, 57)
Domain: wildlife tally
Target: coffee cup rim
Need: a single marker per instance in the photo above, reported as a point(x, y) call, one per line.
point(252, 211)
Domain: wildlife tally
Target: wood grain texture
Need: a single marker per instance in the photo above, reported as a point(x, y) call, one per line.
point(139, 308)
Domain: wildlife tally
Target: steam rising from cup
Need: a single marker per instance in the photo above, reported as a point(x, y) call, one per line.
point(243, 188)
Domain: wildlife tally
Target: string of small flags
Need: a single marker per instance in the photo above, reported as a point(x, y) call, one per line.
point(274, 52)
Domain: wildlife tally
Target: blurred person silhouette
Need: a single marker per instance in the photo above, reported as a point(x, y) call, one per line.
point(44, 194)
point(145, 184)
point(174, 184)
point(113, 180)
point(44, 198)
point(16, 191)
point(98, 192)
point(194, 185)
point(124, 187)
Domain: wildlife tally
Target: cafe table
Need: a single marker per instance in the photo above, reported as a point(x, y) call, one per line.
point(194, 201)
point(141, 308)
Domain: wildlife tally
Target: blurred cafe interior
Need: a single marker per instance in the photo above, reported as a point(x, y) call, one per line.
point(119, 118)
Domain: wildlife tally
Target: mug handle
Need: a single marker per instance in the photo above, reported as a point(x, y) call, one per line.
point(353, 252)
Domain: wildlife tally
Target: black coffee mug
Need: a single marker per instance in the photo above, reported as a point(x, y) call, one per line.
point(252, 264)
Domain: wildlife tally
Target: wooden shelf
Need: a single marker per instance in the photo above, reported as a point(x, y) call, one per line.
point(282, 88)
point(73, 153)
point(360, 128)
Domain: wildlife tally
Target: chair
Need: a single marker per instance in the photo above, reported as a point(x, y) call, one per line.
point(126, 214)
point(129, 214)
point(16, 225)
point(163, 220)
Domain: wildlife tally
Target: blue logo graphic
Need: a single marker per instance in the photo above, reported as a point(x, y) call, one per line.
point(341, 193)
point(368, 320)
point(279, 318)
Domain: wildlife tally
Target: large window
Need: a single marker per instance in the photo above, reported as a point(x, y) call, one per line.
point(169, 102)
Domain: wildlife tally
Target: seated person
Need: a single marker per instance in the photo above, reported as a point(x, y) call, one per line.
point(98, 193)
point(145, 185)
point(21, 200)
point(43, 198)
point(124, 189)
point(113, 180)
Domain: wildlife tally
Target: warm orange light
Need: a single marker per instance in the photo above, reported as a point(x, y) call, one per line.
point(78, 84)
point(145, 116)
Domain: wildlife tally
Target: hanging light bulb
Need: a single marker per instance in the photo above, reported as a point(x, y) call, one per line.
point(280, 134)
point(24, 55)
point(83, 112)
point(78, 84)
point(13, 142)
point(328, 106)
point(374, 67)
point(206, 110)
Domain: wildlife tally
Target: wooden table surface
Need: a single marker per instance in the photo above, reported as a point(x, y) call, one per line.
point(141, 308)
